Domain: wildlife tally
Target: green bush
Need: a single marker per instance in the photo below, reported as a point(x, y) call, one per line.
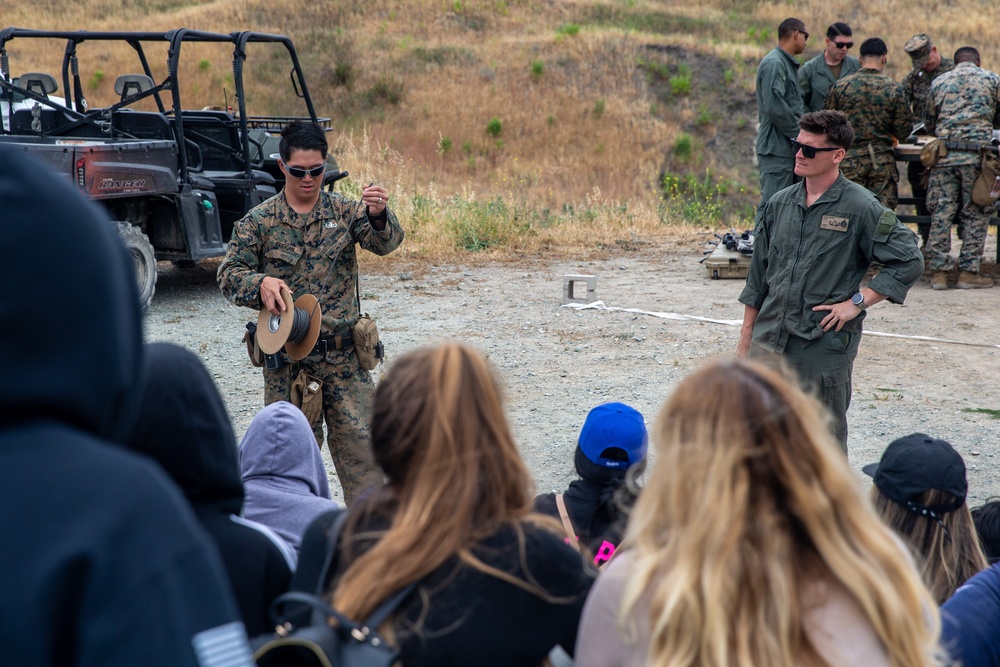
point(95, 81)
point(387, 91)
point(568, 29)
point(537, 69)
point(684, 147)
point(204, 64)
point(599, 107)
point(680, 84)
point(444, 145)
point(494, 128)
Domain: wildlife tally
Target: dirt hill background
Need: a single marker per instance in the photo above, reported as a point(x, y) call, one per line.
point(639, 109)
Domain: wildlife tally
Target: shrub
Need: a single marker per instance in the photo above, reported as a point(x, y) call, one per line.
point(684, 147)
point(537, 69)
point(204, 64)
point(568, 29)
point(494, 128)
point(680, 84)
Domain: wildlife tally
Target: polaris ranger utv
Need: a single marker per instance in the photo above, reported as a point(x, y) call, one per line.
point(174, 177)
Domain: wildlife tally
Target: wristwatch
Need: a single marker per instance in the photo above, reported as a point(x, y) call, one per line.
point(859, 300)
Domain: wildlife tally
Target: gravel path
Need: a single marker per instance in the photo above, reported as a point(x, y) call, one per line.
point(557, 363)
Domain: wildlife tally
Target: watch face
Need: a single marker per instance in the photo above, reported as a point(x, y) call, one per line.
point(858, 299)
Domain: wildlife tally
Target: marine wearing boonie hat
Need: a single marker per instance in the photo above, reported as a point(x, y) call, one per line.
point(919, 49)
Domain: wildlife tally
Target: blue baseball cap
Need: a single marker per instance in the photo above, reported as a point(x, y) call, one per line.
point(614, 426)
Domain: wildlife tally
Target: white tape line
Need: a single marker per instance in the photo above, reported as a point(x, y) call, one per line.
point(599, 305)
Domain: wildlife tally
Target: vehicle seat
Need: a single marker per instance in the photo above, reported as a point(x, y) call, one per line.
point(127, 85)
point(39, 83)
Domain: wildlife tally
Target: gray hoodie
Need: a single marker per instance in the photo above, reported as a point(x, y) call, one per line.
point(284, 478)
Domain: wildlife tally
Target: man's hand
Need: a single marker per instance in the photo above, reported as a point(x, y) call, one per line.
point(840, 314)
point(376, 198)
point(270, 294)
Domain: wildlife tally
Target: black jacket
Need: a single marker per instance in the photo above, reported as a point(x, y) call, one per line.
point(183, 426)
point(101, 560)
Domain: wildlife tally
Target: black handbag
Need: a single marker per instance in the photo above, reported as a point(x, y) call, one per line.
point(318, 643)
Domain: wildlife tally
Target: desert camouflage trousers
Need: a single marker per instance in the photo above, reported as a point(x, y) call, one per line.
point(949, 194)
point(879, 177)
point(347, 401)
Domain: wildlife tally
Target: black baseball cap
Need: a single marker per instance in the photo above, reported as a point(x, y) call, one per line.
point(917, 463)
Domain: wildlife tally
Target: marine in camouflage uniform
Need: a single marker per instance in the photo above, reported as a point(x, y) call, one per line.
point(963, 108)
point(875, 105)
point(315, 253)
point(928, 64)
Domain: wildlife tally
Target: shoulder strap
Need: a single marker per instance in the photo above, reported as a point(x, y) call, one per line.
point(571, 538)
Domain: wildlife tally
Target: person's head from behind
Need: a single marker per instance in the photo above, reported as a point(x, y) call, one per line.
point(751, 502)
point(986, 518)
point(611, 449)
point(454, 474)
point(873, 53)
point(967, 54)
point(919, 491)
point(63, 254)
point(439, 433)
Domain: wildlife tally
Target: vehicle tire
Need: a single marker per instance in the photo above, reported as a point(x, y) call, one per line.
point(141, 251)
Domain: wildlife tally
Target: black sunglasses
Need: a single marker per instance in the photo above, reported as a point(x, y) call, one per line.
point(299, 172)
point(844, 45)
point(809, 152)
point(804, 34)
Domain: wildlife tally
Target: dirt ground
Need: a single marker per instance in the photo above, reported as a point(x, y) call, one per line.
point(940, 374)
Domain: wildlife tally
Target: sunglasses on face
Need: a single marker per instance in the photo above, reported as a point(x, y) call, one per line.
point(844, 45)
point(299, 172)
point(804, 34)
point(809, 152)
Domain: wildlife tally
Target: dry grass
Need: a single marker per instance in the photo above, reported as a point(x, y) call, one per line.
point(587, 130)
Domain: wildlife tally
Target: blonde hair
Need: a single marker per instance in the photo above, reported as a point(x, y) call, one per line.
point(948, 553)
point(749, 501)
point(454, 472)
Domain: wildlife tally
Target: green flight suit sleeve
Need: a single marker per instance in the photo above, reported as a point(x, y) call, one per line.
point(894, 246)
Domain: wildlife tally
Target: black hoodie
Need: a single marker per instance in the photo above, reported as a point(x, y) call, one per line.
point(183, 426)
point(101, 561)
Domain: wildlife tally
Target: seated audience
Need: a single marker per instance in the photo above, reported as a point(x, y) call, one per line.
point(751, 544)
point(919, 491)
point(495, 584)
point(969, 621)
point(609, 457)
point(183, 426)
point(284, 479)
point(102, 562)
point(986, 517)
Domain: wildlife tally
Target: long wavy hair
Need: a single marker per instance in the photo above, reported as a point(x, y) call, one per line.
point(751, 501)
point(948, 553)
point(455, 476)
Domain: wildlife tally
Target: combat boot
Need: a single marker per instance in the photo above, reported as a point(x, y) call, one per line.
point(940, 280)
point(970, 280)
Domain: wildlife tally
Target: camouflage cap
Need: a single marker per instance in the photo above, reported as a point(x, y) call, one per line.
point(919, 48)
